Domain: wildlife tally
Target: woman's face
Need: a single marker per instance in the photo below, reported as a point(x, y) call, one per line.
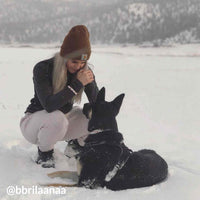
point(75, 65)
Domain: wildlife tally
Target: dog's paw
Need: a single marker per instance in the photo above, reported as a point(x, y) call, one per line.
point(90, 183)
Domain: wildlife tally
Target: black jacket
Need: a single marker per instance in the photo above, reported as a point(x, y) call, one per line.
point(44, 99)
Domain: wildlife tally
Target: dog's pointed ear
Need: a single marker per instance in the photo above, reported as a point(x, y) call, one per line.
point(86, 109)
point(117, 102)
point(101, 95)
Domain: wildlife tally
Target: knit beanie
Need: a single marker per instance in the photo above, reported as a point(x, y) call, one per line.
point(76, 44)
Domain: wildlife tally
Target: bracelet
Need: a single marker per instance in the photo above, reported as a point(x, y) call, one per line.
point(72, 90)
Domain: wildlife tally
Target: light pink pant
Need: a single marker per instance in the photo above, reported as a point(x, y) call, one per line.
point(45, 129)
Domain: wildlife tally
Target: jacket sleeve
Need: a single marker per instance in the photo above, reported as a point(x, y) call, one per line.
point(91, 91)
point(44, 89)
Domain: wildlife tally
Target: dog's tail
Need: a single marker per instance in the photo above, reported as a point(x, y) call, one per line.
point(59, 185)
point(63, 174)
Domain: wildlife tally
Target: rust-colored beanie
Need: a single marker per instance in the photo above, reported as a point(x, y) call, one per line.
point(76, 44)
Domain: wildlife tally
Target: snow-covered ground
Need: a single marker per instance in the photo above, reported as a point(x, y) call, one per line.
point(160, 111)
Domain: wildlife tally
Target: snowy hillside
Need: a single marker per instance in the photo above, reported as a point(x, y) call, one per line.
point(160, 111)
point(116, 21)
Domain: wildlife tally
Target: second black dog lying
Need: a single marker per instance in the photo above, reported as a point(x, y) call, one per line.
point(106, 161)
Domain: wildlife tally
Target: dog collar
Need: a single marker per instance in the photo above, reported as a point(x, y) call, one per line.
point(120, 164)
point(99, 131)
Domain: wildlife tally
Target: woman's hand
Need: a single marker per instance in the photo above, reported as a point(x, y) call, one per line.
point(85, 76)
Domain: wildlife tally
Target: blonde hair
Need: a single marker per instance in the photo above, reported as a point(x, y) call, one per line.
point(60, 77)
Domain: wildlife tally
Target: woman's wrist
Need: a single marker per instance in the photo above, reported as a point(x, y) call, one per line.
point(75, 86)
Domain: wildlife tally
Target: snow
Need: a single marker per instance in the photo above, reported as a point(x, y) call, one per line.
point(160, 111)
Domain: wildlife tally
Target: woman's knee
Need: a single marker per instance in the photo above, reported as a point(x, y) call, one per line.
point(57, 121)
point(77, 113)
point(53, 129)
point(78, 124)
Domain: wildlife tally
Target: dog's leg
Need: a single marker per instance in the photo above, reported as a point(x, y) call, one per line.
point(65, 174)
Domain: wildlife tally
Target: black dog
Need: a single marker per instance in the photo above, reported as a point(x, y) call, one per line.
point(105, 161)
